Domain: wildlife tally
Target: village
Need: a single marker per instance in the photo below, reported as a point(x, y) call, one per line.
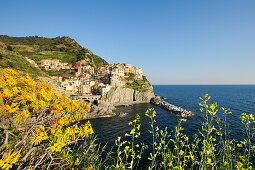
point(91, 81)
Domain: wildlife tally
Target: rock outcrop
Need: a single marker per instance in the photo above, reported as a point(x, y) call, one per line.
point(102, 109)
point(123, 95)
point(144, 96)
point(170, 107)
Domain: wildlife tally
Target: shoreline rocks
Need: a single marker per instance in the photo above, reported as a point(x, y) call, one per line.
point(101, 109)
point(122, 114)
point(158, 101)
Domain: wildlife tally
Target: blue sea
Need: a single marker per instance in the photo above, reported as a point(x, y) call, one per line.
point(239, 98)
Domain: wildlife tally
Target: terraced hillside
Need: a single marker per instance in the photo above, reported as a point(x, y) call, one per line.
point(13, 51)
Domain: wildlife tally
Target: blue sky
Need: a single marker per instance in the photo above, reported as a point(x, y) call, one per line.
point(174, 41)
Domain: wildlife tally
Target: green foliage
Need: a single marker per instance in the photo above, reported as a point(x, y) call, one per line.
point(63, 73)
point(98, 61)
point(129, 153)
point(19, 63)
point(146, 80)
point(138, 85)
point(131, 77)
point(64, 57)
point(9, 48)
point(88, 154)
point(63, 48)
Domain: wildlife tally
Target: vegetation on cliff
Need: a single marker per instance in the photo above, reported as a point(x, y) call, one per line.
point(138, 85)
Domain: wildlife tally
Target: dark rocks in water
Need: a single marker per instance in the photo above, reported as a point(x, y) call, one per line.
point(101, 109)
point(163, 97)
point(156, 99)
point(122, 114)
point(170, 107)
point(183, 120)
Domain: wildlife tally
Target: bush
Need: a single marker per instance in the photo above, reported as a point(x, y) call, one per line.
point(9, 48)
point(37, 124)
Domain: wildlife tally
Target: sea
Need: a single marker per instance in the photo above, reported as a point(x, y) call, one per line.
point(238, 98)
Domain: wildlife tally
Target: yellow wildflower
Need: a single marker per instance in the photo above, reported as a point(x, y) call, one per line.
point(57, 146)
point(9, 159)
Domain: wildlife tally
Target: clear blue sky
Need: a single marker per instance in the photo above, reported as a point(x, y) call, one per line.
point(174, 41)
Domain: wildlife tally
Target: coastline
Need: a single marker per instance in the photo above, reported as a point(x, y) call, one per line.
point(131, 103)
point(92, 115)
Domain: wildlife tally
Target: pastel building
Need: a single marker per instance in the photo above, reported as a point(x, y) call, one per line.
point(84, 89)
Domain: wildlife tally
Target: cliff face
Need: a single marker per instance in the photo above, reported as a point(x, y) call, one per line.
point(123, 95)
point(144, 96)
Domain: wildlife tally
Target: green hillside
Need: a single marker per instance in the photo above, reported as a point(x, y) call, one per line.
point(13, 51)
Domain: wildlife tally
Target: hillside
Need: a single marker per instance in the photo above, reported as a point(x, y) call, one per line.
point(13, 51)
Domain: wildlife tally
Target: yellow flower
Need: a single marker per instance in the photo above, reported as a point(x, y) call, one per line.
point(251, 117)
point(41, 127)
point(239, 145)
point(239, 165)
point(9, 159)
point(21, 115)
point(77, 162)
point(57, 146)
point(153, 114)
point(132, 132)
point(21, 97)
point(39, 136)
point(209, 161)
point(138, 126)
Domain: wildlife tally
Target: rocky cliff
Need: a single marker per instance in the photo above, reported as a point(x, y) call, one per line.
point(126, 94)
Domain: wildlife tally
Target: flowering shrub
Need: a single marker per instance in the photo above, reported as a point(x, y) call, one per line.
point(36, 123)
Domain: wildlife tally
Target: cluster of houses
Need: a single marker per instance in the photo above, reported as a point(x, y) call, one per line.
point(90, 80)
point(49, 64)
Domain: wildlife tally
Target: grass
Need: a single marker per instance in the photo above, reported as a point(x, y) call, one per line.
point(20, 63)
point(64, 57)
point(66, 73)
